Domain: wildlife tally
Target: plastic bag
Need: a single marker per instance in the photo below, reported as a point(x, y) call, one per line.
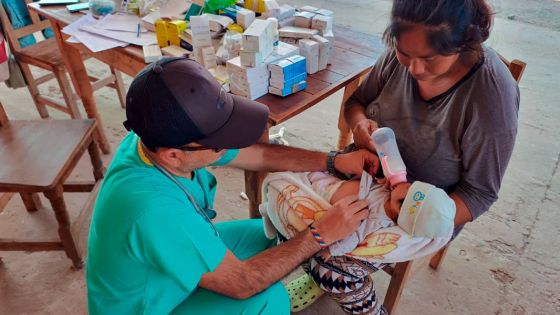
point(212, 6)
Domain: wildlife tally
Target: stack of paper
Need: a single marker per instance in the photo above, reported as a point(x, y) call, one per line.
point(93, 42)
point(117, 30)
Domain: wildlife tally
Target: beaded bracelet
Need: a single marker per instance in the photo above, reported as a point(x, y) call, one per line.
point(317, 236)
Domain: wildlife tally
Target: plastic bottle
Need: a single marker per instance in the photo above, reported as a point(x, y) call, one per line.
point(391, 161)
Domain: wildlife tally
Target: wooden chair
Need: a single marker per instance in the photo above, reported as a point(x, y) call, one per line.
point(37, 156)
point(46, 55)
point(400, 272)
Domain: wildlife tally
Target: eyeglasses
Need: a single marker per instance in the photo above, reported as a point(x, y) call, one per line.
point(199, 148)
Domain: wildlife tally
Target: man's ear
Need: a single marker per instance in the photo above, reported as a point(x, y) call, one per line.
point(170, 156)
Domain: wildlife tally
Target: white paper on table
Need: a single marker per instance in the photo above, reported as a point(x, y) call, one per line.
point(152, 17)
point(97, 43)
point(93, 42)
point(74, 28)
point(121, 22)
point(73, 40)
point(147, 38)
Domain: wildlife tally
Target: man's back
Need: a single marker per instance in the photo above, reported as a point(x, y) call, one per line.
point(146, 238)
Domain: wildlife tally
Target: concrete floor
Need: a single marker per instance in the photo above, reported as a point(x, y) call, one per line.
point(505, 263)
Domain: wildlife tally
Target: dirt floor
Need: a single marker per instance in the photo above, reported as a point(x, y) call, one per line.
point(504, 263)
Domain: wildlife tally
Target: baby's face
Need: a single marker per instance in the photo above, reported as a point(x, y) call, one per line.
point(398, 194)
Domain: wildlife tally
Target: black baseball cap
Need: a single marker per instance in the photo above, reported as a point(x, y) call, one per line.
point(176, 101)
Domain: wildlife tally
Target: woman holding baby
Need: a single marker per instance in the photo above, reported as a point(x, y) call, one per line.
point(453, 106)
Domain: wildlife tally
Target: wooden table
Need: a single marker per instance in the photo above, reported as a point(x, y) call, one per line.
point(352, 56)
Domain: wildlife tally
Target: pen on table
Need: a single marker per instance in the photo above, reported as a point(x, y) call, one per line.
point(138, 30)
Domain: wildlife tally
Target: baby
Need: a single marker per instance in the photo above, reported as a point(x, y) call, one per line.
point(426, 211)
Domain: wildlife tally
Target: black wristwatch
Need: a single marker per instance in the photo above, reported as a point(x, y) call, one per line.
point(330, 165)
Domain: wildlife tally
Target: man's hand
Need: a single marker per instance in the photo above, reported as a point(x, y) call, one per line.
point(362, 131)
point(342, 219)
point(398, 194)
point(357, 161)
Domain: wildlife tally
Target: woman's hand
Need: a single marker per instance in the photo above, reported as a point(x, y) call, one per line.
point(362, 131)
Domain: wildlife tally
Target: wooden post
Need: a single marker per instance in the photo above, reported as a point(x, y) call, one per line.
point(253, 183)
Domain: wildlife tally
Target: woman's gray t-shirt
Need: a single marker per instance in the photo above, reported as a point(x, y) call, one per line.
point(461, 140)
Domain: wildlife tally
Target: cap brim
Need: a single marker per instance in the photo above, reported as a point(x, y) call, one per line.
point(244, 127)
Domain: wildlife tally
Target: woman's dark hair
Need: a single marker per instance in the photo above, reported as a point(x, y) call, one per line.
point(454, 26)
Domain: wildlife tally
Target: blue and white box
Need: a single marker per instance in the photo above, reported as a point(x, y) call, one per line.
point(299, 86)
point(288, 75)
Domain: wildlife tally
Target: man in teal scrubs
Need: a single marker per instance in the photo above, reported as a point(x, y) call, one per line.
point(152, 246)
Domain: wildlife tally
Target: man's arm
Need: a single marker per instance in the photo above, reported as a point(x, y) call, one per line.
point(243, 279)
point(274, 158)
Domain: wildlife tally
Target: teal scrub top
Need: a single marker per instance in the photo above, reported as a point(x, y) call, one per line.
point(148, 247)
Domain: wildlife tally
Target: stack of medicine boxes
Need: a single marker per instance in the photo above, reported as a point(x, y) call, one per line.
point(202, 42)
point(248, 73)
point(288, 76)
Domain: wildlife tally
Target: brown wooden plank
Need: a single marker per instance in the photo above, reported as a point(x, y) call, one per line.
point(56, 142)
point(315, 86)
point(399, 278)
point(79, 186)
point(13, 245)
point(327, 76)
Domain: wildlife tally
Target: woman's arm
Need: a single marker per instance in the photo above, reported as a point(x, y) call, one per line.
point(462, 213)
point(367, 92)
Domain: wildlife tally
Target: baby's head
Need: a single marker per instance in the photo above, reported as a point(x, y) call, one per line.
point(427, 211)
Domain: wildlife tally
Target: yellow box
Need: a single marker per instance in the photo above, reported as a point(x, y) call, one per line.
point(161, 33)
point(261, 8)
point(174, 29)
point(255, 5)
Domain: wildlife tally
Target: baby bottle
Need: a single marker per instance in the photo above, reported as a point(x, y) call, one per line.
point(389, 155)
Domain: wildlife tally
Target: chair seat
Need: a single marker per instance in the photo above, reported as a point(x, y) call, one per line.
point(44, 54)
point(35, 154)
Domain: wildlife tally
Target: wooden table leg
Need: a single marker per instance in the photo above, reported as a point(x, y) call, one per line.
point(98, 169)
point(31, 201)
point(59, 207)
point(253, 183)
point(77, 70)
point(345, 135)
point(4, 199)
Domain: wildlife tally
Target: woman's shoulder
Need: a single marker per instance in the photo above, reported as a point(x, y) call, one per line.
point(389, 65)
point(494, 72)
point(493, 101)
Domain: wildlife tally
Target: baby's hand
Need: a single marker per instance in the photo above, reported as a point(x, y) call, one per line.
point(398, 194)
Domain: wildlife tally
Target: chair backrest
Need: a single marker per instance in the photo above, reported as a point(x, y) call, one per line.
point(13, 35)
point(3, 116)
point(516, 67)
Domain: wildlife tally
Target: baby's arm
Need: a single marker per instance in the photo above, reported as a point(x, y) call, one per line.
point(392, 206)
